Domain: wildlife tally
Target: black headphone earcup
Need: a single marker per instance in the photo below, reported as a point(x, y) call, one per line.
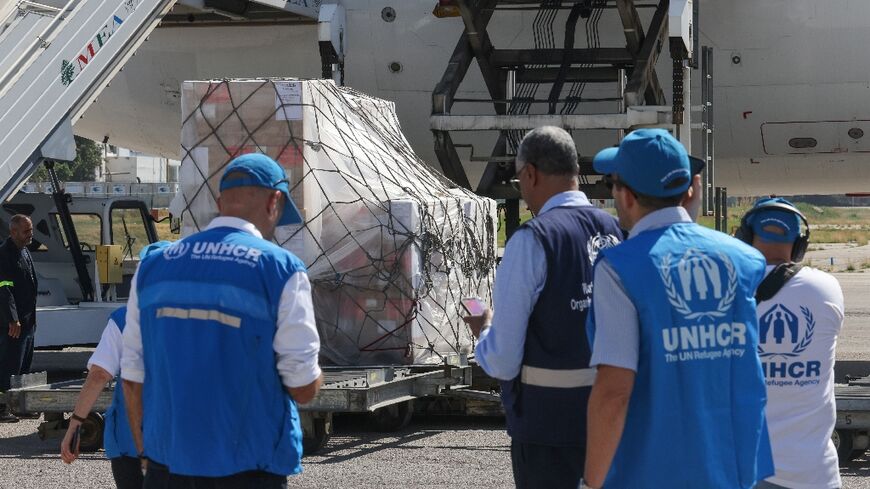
point(800, 248)
point(744, 233)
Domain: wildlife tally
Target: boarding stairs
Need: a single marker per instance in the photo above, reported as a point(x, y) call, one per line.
point(54, 61)
point(56, 56)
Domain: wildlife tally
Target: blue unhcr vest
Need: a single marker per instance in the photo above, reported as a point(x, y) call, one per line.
point(214, 404)
point(696, 414)
point(546, 403)
point(117, 438)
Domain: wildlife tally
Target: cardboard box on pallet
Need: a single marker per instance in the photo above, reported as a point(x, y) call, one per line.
point(365, 327)
point(226, 119)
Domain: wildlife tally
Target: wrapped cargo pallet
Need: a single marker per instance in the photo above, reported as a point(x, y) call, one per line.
point(391, 246)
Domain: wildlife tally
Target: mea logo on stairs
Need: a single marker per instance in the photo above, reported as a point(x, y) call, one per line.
point(69, 70)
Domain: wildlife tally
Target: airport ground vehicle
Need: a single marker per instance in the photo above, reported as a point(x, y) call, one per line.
point(72, 306)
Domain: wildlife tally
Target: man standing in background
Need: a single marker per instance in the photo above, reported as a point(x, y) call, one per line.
point(18, 287)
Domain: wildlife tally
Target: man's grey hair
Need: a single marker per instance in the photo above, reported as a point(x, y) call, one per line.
point(551, 149)
point(17, 220)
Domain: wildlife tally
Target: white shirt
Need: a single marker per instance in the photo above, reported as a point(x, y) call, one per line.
point(805, 316)
point(296, 342)
point(107, 355)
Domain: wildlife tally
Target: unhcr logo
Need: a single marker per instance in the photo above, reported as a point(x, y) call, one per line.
point(702, 288)
point(699, 286)
point(780, 346)
point(214, 251)
point(176, 250)
point(779, 330)
point(704, 342)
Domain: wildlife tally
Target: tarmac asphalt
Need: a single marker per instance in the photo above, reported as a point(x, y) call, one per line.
point(432, 452)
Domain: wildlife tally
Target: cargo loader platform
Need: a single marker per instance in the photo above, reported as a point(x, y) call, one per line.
point(852, 432)
point(384, 391)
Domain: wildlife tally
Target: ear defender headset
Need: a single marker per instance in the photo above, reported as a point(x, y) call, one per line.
point(745, 233)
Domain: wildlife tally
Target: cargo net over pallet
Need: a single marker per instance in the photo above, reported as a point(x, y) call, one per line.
point(391, 246)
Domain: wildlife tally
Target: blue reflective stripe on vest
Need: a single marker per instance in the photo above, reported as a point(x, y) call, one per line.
point(696, 415)
point(117, 438)
point(556, 337)
point(214, 404)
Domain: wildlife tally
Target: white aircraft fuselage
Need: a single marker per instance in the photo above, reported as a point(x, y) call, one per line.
point(786, 73)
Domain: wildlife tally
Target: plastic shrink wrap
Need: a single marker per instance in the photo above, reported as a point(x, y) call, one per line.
point(390, 245)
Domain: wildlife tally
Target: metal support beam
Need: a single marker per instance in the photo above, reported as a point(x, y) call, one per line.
point(537, 3)
point(473, 44)
point(644, 67)
point(634, 38)
point(632, 118)
point(559, 81)
point(601, 56)
point(511, 217)
point(457, 67)
point(478, 39)
point(708, 177)
point(720, 213)
point(61, 201)
point(451, 165)
point(573, 75)
point(460, 61)
point(631, 24)
point(492, 172)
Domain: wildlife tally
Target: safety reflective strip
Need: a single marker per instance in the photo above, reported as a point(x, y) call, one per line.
point(7, 283)
point(201, 295)
point(202, 314)
point(560, 379)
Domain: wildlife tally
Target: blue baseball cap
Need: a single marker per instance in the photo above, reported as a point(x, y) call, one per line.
point(262, 171)
point(787, 223)
point(651, 162)
point(153, 248)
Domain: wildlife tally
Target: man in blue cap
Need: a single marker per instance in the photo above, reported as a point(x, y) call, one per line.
point(221, 344)
point(103, 366)
point(679, 396)
point(800, 314)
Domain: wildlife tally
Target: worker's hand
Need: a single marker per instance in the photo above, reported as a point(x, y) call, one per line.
point(14, 329)
point(65, 454)
point(143, 464)
point(478, 323)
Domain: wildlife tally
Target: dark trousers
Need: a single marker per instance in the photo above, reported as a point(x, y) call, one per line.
point(127, 472)
point(28, 353)
point(12, 353)
point(539, 466)
point(159, 477)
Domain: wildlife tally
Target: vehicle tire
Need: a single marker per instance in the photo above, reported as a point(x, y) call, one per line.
point(322, 432)
point(843, 442)
point(92, 433)
point(393, 417)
